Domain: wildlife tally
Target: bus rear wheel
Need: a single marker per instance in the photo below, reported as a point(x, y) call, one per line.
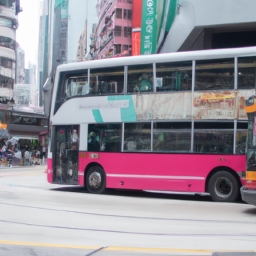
point(96, 180)
point(223, 187)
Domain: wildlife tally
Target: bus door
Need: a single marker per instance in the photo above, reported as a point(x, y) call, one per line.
point(65, 154)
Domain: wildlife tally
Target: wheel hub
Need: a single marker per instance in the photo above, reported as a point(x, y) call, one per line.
point(223, 187)
point(95, 180)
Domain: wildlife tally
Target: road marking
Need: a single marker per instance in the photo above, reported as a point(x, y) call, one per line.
point(121, 248)
point(18, 174)
point(49, 245)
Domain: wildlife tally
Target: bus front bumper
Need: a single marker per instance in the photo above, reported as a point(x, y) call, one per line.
point(249, 196)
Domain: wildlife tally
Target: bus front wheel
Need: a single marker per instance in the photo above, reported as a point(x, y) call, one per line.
point(223, 187)
point(96, 180)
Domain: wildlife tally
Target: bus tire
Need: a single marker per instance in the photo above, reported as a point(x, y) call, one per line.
point(96, 180)
point(223, 187)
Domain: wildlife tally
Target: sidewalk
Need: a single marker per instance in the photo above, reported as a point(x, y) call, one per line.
point(16, 163)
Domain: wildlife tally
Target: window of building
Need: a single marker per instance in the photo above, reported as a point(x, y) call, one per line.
point(246, 73)
point(137, 137)
point(7, 3)
point(6, 63)
point(174, 76)
point(172, 136)
point(6, 82)
point(127, 14)
point(117, 49)
point(119, 13)
point(126, 47)
point(7, 42)
point(140, 78)
point(127, 31)
point(118, 31)
point(6, 22)
point(214, 74)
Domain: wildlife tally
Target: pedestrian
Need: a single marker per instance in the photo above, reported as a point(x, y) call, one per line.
point(43, 154)
point(26, 147)
point(22, 156)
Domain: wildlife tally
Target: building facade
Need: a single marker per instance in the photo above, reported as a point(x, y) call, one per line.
point(62, 22)
point(9, 10)
point(199, 24)
point(8, 26)
point(82, 45)
point(113, 33)
point(20, 65)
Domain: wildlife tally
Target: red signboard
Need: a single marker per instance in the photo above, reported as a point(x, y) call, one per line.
point(137, 10)
point(136, 42)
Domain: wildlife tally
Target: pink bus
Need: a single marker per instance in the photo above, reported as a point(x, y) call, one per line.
point(164, 122)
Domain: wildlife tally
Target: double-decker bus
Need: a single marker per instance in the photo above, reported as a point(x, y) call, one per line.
point(163, 122)
point(248, 191)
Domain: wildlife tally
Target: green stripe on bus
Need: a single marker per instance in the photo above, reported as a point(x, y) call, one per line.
point(97, 116)
point(127, 114)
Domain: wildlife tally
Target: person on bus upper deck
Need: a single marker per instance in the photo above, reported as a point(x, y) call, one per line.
point(93, 144)
point(93, 86)
point(85, 89)
point(145, 82)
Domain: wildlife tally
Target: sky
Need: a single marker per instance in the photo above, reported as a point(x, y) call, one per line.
point(28, 32)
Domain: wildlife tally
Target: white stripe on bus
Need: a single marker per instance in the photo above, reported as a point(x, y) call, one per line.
point(155, 177)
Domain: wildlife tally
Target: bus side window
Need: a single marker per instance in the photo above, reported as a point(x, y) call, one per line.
point(140, 78)
point(174, 76)
point(109, 80)
point(93, 143)
point(93, 86)
point(105, 137)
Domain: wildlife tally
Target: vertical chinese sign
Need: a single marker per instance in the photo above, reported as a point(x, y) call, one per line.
point(136, 26)
point(136, 41)
point(148, 27)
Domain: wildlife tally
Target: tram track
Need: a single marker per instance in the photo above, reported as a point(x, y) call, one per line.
point(123, 217)
point(129, 216)
point(130, 232)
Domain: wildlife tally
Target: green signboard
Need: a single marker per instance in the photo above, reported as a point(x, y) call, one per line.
point(169, 14)
point(64, 7)
point(148, 27)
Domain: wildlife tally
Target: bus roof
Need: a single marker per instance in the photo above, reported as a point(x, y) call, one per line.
point(163, 57)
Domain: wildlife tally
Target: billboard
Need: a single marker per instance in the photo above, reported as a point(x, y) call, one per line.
point(148, 27)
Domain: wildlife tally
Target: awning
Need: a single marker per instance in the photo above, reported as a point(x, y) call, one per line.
point(43, 133)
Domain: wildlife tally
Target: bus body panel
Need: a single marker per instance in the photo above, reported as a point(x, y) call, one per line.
point(150, 171)
point(196, 100)
point(49, 170)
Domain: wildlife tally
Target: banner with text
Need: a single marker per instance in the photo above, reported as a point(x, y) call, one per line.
point(148, 27)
